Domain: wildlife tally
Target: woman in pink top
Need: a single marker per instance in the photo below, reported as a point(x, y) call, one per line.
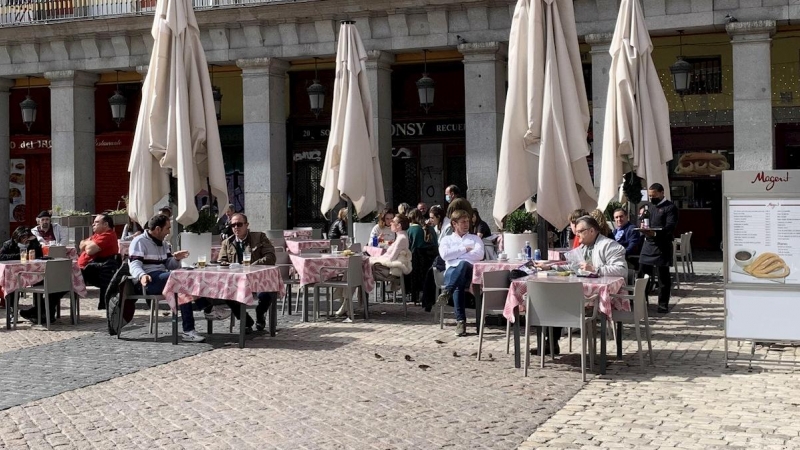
point(396, 261)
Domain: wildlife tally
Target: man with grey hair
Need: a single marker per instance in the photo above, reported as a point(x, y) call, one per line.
point(601, 255)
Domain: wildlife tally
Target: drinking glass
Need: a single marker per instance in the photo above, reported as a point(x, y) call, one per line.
point(23, 252)
point(348, 241)
point(201, 261)
point(334, 248)
point(46, 250)
point(246, 258)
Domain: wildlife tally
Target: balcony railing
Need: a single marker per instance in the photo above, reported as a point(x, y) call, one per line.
point(30, 12)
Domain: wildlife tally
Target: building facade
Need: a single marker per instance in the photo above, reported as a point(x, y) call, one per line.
point(743, 104)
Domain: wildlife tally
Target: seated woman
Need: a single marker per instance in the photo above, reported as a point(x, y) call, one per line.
point(424, 246)
point(383, 230)
point(480, 226)
point(420, 235)
point(339, 227)
point(605, 228)
point(436, 219)
point(11, 252)
point(131, 230)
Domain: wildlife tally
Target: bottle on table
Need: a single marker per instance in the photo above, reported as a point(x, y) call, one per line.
point(375, 240)
point(527, 250)
point(537, 255)
point(645, 223)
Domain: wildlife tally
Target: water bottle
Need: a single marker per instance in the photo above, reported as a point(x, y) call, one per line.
point(375, 240)
point(537, 255)
point(527, 250)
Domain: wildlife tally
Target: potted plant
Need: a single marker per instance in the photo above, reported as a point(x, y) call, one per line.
point(519, 228)
point(71, 218)
point(197, 237)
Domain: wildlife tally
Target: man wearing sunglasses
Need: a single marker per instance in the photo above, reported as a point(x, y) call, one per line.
point(261, 253)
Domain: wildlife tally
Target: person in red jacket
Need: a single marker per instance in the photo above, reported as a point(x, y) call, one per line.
point(97, 260)
point(573, 221)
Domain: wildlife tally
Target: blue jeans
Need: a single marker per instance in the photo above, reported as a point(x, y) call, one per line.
point(158, 280)
point(456, 280)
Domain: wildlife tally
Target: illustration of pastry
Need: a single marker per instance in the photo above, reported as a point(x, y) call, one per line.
point(701, 163)
point(19, 213)
point(768, 265)
point(20, 166)
point(14, 193)
point(17, 178)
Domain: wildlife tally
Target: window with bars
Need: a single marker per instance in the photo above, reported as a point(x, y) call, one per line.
point(706, 76)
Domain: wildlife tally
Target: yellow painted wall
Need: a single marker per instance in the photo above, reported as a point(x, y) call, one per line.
point(229, 81)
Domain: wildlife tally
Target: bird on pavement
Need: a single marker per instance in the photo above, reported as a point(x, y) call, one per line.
point(409, 358)
point(378, 357)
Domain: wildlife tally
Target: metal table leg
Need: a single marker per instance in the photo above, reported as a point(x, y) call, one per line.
point(603, 320)
point(619, 340)
point(175, 322)
point(517, 362)
point(273, 316)
point(476, 290)
point(242, 323)
point(305, 303)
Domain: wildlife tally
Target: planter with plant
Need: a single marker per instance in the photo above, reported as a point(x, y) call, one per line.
point(197, 237)
point(520, 226)
point(71, 218)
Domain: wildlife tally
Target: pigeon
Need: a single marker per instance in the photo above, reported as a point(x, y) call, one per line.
point(730, 19)
point(409, 358)
point(438, 341)
point(490, 357)
point(456, 355)
point(473, 354)
point(378, 357)
point(424, 367)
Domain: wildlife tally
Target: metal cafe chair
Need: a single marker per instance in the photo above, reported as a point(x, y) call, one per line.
point(57, 278)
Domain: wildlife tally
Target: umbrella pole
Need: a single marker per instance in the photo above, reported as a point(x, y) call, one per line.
point(541, 230)
point(351, 215)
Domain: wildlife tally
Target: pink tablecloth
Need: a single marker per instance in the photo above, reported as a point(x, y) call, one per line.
point(489, 266)
point(295, 245)
point(228, 284)
point(124, 247)
point(308, 267)
point(374, 251)
point(603, 287)
point(297, 233)
point(10, 269)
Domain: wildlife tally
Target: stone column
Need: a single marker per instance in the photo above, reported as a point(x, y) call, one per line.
point(485, 100)
point(753, 131)
point(601, 64)
point(265, 170)
point(379, 74)
point(5, 154)
point(72, 125)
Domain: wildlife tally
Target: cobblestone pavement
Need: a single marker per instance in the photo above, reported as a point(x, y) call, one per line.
point(689, 399)
point(334, 385)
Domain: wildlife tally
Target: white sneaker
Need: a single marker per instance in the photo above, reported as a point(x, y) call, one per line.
point(218, 314)
point(192, 336)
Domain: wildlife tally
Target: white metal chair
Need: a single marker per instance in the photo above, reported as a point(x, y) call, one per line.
point(637, 314)
point(129, 293)
point(283, 263)
point(558, 305)
point(682, 248)
point(279, 244)
point(355, 248)
point(438, 280)
point(57, 278)
point(353, 281)
point(495, 291)
point(57, 251)
point(402, 280)
point(274, 234)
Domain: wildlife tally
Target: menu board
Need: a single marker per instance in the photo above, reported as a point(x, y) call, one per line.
point(762, 241)
point(16, 190)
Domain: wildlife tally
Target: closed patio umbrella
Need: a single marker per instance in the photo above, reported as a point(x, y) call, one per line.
point(636, 135)
point(177, 127)
point(352, 168)
point(544, 148)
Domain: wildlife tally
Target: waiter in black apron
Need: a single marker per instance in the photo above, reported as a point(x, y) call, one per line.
point(657, 249)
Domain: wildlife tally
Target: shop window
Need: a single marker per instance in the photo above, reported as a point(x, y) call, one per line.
point(706, 75)
point(405, 178)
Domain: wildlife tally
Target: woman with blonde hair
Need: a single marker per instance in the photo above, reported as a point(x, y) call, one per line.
point(383, 230)
point(605, 229)
point(339, 227)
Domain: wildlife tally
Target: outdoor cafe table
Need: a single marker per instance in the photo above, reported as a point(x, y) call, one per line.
point(124, 248)
point(603, 287)
point(308, 265)
point(296, 245)
point(237, 284)
point(9, 282)
point(297, 234)
point(374, 251)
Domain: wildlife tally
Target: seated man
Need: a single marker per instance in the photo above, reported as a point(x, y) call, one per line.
point(46, 231)
point(459, 250)
point(261, 253)
point(600, 255)
point(11, 252)
point(626, 236)
point(151, 260)
point(97, 260)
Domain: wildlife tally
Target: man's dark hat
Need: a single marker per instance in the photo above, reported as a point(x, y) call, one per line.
point(44, 213)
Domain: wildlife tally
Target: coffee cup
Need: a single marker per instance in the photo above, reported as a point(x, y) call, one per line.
point(502, 255)
point(743, 257)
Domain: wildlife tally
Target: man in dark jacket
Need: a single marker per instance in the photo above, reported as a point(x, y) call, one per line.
point(261, 253)
point(657, 248)
point(626, 236)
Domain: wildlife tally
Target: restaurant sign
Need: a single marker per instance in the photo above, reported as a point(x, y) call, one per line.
point(44, 142)
point(400, 130)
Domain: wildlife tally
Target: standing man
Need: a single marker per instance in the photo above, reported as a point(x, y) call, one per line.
point(626, 236)
point(223, 224)
point(459, 251)
point(261, 253)
point(46, 231)
point(657, 248)
point(151, 260)
point(97, 259)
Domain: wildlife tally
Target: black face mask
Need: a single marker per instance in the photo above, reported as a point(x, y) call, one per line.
point(656, 200)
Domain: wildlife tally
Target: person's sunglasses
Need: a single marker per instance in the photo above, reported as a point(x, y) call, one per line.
point(237, 224)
